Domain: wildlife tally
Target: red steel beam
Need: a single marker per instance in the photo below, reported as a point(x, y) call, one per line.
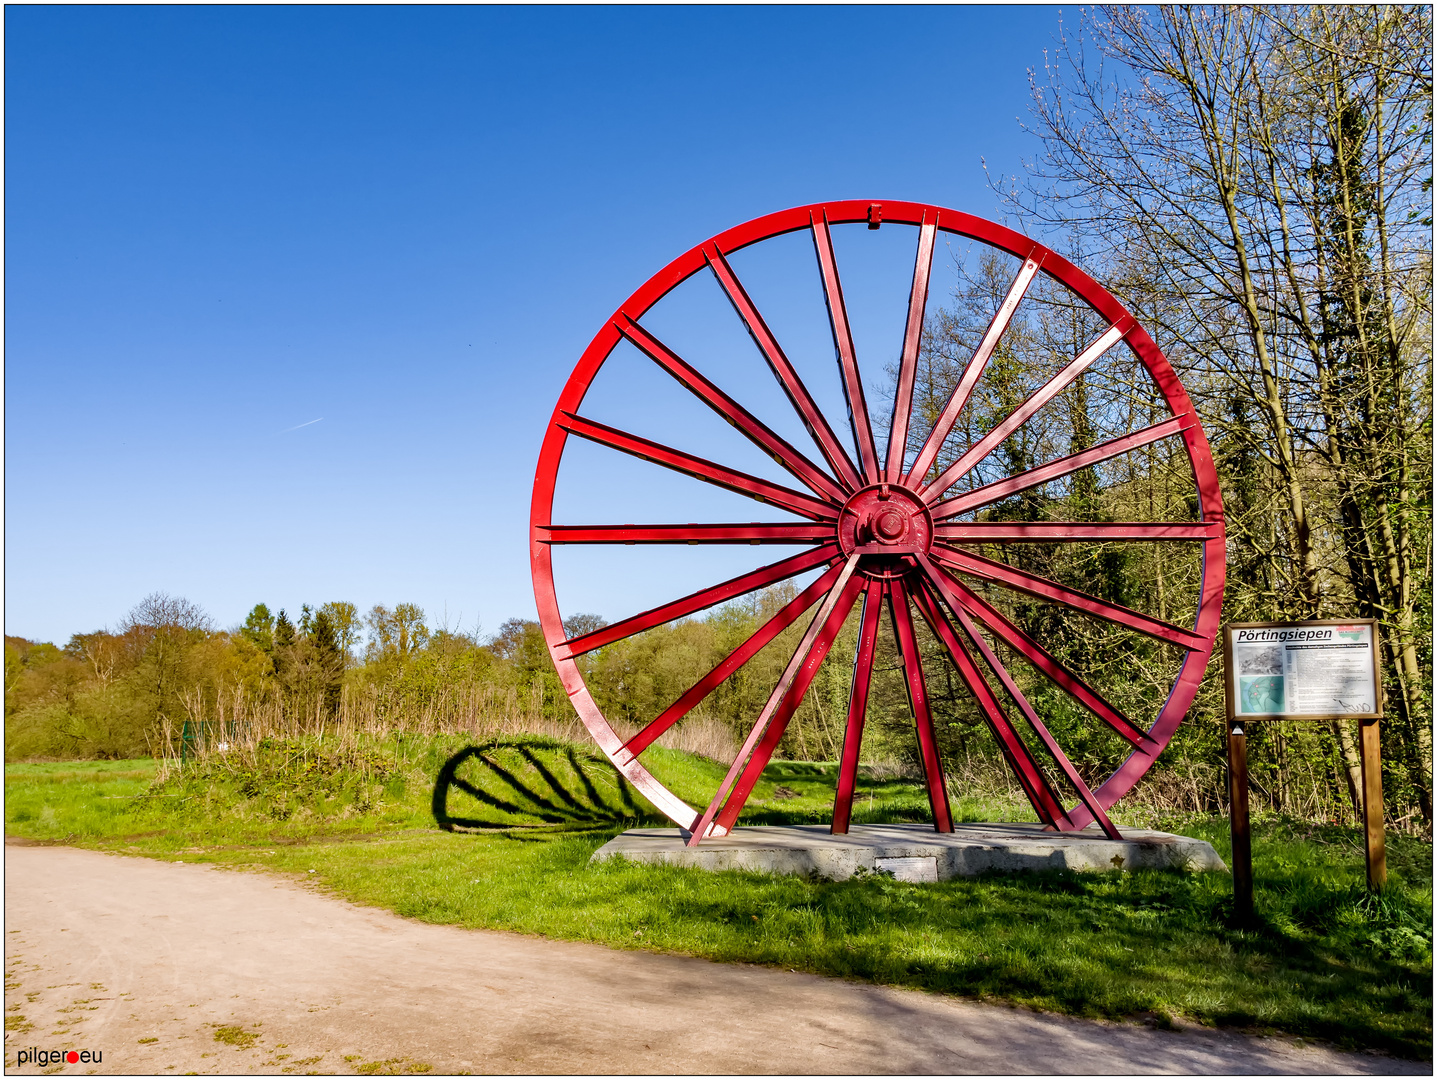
point(974, 370)
point(1040, 793)
point(1039, 728)
point(1025, 411)
point(781, 621)
point(704, 598)
point(908, 359)
point(1055, 470)
point(783, 371)
point(1038, 532)
point(857, 706)
point(700, 468)
point(792, 699)
point(754, 429)
point(1046, 589)
point(843, 347)
point(957, 595)
point(736, 533)
point(918, 702)
point(704, 820)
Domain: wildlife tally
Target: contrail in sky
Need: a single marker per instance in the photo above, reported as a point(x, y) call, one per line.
point(296, 427)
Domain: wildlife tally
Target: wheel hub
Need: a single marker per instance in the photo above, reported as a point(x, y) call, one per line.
point(883, 523)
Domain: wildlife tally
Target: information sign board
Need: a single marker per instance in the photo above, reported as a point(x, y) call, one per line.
point(1319, 670)
point(1324, 669)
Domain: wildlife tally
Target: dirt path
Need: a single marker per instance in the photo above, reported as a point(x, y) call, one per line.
point(147, 962)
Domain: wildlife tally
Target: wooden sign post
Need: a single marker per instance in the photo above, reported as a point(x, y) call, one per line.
point(1376, 837)
point(1323, 669)
point(1241, 830)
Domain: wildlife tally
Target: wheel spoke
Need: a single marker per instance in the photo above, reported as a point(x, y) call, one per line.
point(1042, 587)
point(700, 468)
point(957, 595)
point(704, 598)
point(843, 346)
point(1040, 793)
point(1055, 470)
point(763, 753)
point(736, 533)
point(857, 706)
point(974, 370)
point(1036, 532)
point(751, 426)
point(781, 621)
point(1039, 728)
point(800, 656)
point(912, 338)
point(782, 369)
point(1024, 412)
point(918, 702)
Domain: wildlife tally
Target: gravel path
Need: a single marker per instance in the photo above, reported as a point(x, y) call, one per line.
point(166, 968)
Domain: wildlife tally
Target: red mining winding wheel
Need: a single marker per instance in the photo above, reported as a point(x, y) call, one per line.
point(892, 526)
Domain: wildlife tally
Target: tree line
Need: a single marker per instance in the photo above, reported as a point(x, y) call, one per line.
point(124, 692)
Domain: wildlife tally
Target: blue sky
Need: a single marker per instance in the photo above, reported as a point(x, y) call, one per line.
point(291, 292)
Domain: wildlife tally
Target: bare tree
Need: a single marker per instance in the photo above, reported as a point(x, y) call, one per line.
point(159, 634)
point(1253, 181)
point(161, 611)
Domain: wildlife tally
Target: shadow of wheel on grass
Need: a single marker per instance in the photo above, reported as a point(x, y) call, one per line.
point(506, 784)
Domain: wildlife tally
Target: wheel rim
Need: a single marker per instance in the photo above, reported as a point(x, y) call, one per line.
point(880, 529)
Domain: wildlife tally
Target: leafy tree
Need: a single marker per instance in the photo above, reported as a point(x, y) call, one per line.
point(397, 634)
point(283, 631)
point(283, 655)
point(328, 661)
point(521, 642)
point(344, 618)
point(259, 627)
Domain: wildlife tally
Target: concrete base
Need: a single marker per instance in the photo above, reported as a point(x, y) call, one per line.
point(914, 852)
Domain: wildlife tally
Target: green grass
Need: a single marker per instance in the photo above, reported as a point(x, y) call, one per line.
point(298, 792)
point(75, 799)
point(1325, 960)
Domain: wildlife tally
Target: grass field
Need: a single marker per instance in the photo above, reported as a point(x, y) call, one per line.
point(1326, 960)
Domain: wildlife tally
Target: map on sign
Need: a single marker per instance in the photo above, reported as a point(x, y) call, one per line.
point(1303, 669)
